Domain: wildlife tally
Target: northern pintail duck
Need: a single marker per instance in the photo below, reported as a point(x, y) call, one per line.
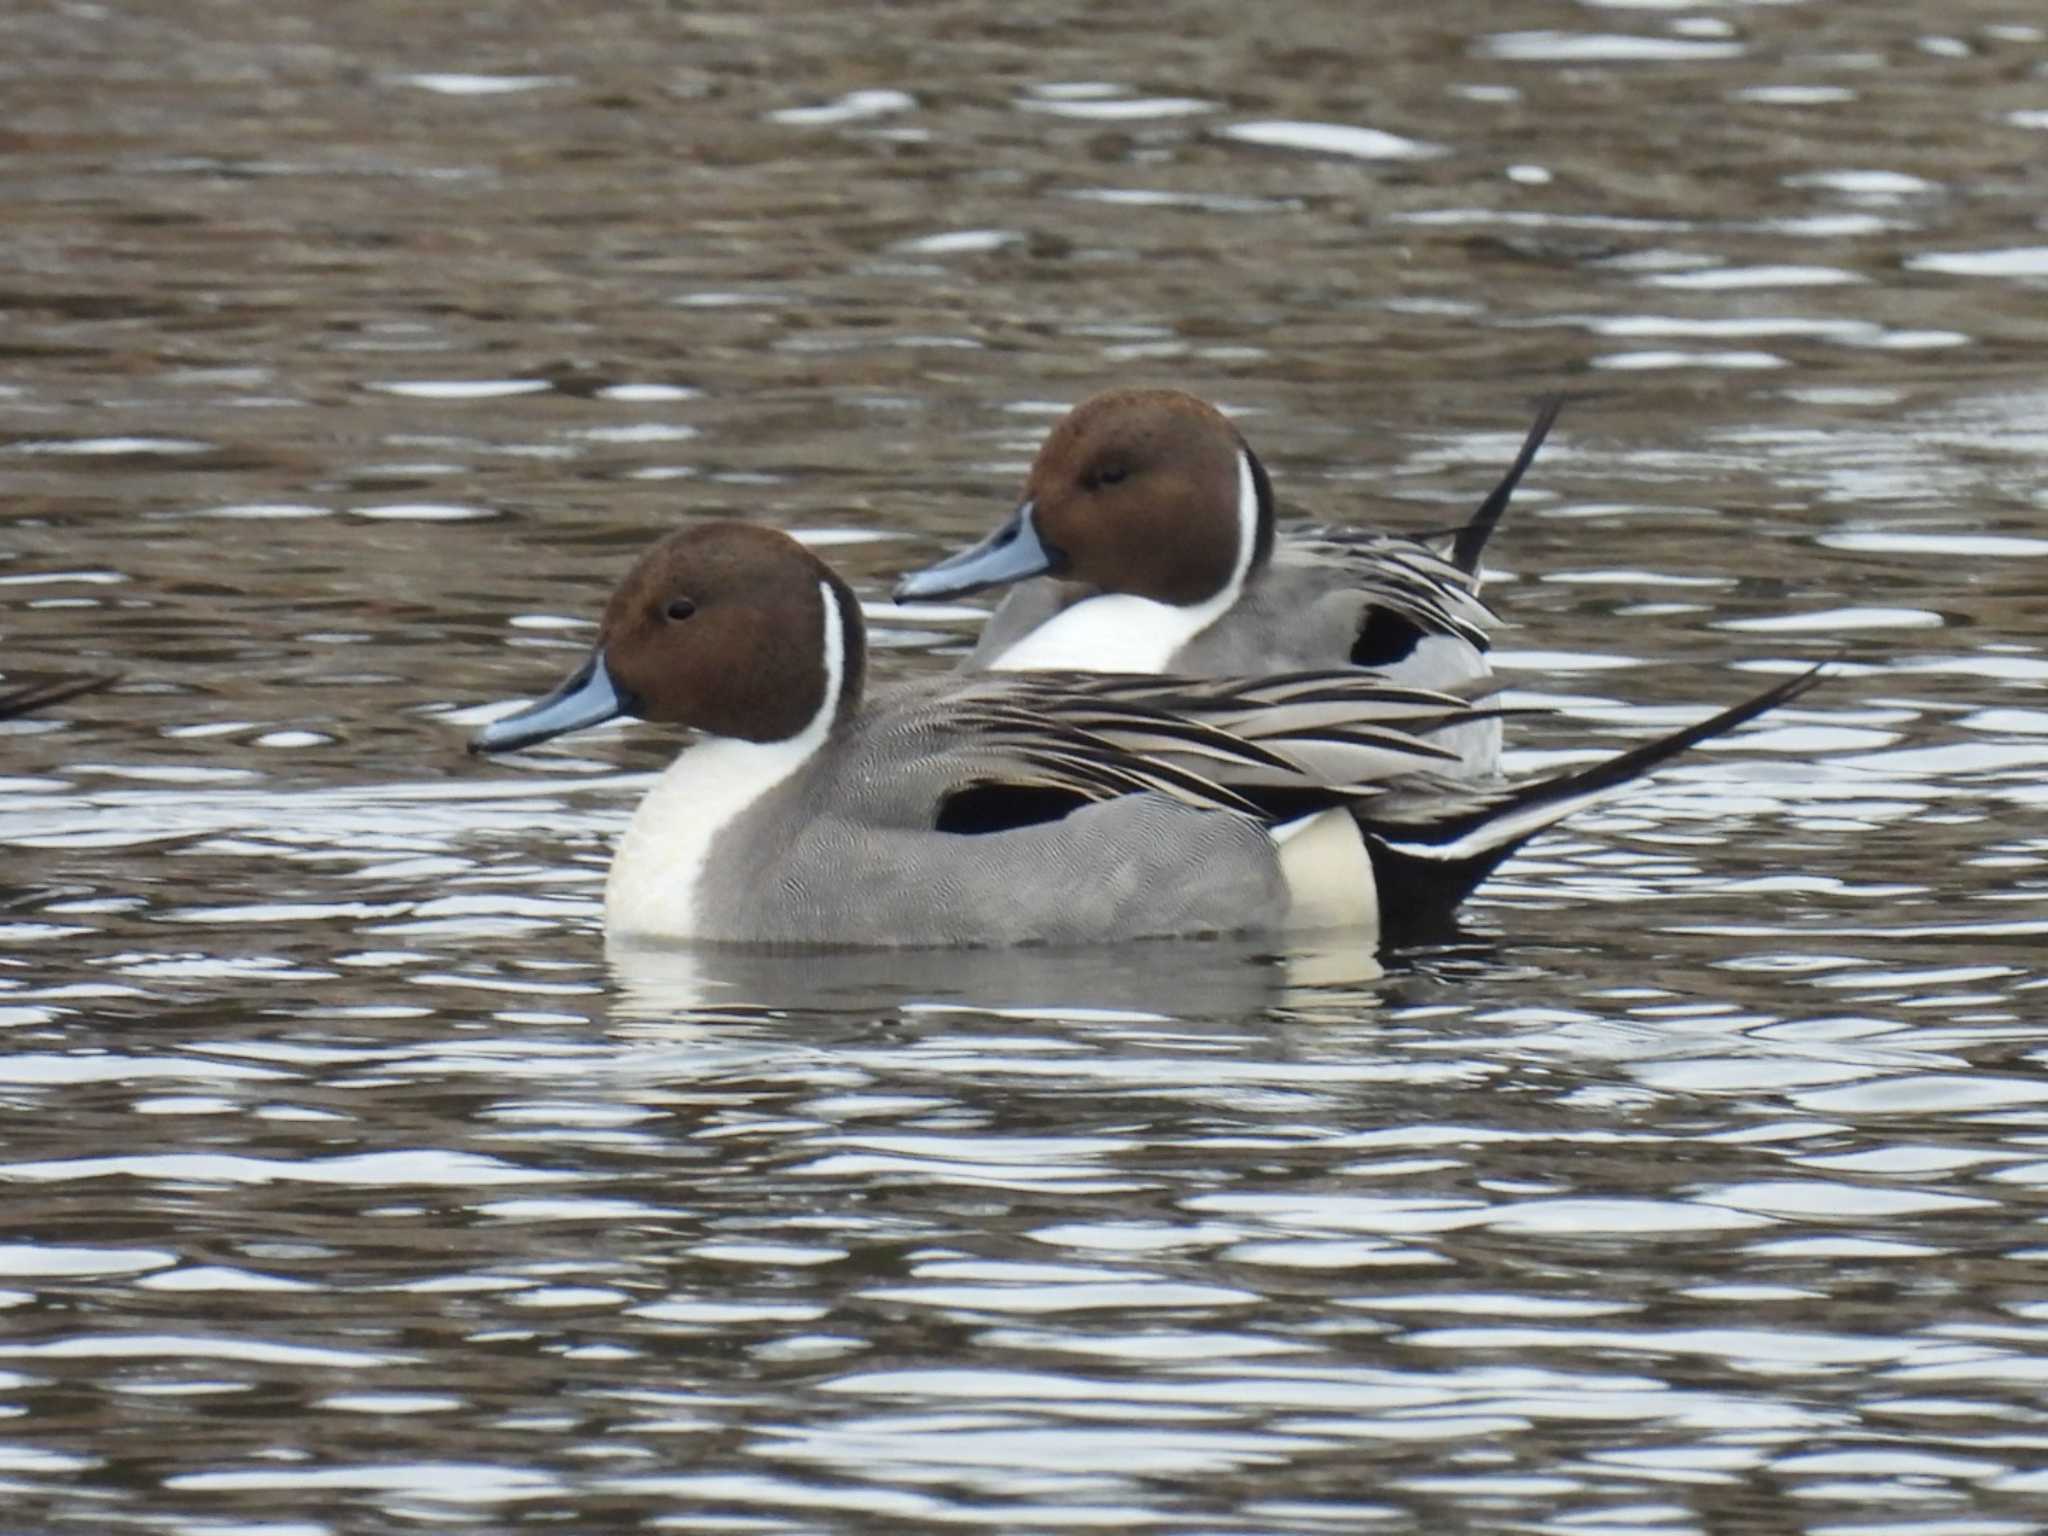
point(1002, 808)
point(1149, 525)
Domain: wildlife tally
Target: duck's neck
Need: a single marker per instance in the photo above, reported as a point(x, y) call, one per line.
point(1120, 632)
point(659, 866)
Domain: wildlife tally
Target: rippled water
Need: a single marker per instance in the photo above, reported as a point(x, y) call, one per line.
point(351, 1185)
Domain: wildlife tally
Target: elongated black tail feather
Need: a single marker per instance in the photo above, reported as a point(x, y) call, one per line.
point(28, 696)
point(1425, 867)
point(1472, 537)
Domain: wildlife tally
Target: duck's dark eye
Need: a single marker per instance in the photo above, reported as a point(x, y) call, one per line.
point(679, 608)
point(1108, 474)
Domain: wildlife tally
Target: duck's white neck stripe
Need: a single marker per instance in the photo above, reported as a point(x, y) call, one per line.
point(1247, 546)
point(661, 859)
point(1118, 632)
point(835, 670)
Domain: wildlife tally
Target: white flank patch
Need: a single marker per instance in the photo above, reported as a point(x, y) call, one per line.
point(652, 888)
point(1328, 872)
point(1121, 633)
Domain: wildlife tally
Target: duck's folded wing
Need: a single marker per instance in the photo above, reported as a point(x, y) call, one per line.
point(1388, 571)
point(1266, 746)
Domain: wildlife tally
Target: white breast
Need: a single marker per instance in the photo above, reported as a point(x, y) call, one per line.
point(1117, 632)
point(652, 889)
point(1112, 633)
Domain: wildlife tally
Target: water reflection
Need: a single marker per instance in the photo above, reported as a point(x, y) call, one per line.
point(1189, 982)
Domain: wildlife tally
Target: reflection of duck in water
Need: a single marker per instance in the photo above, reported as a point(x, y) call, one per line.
point(1214, 982)
point(23, 697)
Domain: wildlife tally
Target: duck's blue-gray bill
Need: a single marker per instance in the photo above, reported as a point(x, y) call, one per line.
point(589, 697)
point(1012, 553)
